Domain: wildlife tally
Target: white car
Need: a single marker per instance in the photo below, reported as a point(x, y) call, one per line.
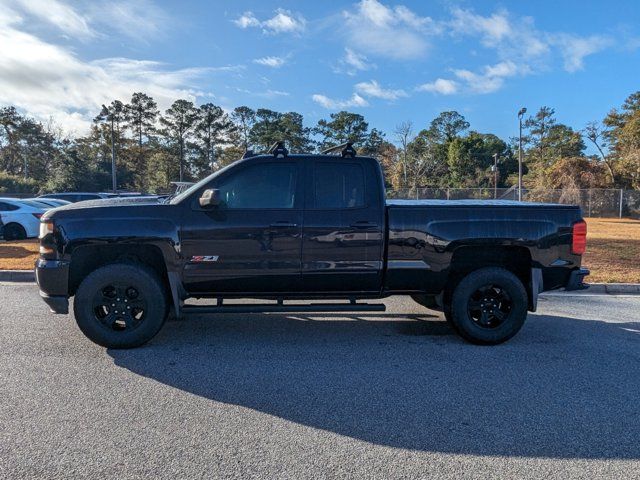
point(21, 218)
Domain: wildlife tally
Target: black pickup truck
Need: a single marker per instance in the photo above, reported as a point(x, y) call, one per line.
point(285, 228)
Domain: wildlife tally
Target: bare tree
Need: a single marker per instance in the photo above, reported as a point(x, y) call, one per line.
point(404, 135)
point(594, 132)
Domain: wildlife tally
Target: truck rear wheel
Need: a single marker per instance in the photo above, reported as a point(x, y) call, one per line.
point(489, 306)
point(122, 305)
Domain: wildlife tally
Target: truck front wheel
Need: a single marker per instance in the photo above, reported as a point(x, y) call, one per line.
point(489, 306)
point(121, 305)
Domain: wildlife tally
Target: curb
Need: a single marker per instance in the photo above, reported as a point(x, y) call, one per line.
point(614, 288)
point(18, 276)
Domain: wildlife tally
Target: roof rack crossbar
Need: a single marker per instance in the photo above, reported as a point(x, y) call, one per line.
point(346, 150)
point(278, 150)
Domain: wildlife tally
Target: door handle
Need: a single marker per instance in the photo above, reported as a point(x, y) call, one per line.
point(364, 224)
point(283, 225)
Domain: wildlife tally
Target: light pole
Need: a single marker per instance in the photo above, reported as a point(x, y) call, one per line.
point(521, 113)
point(495, 175)
point(105, 113)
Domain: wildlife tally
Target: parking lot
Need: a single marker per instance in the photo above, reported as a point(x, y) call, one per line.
point(383, 395)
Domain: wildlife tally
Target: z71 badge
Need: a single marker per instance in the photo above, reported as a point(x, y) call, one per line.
point(204, 258)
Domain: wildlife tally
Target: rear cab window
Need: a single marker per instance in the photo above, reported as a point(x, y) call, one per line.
point(338, 185)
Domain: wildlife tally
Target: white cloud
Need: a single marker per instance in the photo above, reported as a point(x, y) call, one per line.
point(332, 104)
point(373, 89)
point(396, 33)
point(574, 49)
point(56, 13)
point(353, 62)
point(518, 40)
point(273, 62)
point(47, 80)
point(441, 86)
point(284, 21)
point(138, 19)
point(493, 28)
point(269, 93)
point(246, 20)
point(490, 79)
point(274, 93)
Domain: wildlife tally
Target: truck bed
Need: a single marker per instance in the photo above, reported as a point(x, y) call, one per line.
point(423, 235)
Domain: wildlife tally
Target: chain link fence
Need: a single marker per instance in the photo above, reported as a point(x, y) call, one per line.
point(595, 202)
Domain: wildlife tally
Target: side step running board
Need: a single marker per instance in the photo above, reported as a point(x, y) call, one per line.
point(275, 308)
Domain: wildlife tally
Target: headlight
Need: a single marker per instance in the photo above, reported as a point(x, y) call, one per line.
point(45, 228)
point(46, 244)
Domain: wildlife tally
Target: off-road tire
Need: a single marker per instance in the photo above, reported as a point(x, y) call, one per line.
point(486, 287)
point(94, 319)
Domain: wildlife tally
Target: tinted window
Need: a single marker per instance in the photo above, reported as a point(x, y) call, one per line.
point(338, 185)
point(266, 185)
point(7, 207)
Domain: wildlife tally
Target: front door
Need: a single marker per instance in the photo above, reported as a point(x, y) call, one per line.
point(343, 228)
point(251, 242)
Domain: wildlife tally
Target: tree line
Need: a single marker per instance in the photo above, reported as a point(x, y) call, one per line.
point(187, 142)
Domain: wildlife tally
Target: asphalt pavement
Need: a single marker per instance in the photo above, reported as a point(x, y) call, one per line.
point(377, 395)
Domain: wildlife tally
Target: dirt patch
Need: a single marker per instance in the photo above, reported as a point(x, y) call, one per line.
point(613, 250)
point(18, 255)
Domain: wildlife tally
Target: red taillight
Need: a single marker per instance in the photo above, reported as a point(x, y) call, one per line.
point(37, 215)
point(579, 238)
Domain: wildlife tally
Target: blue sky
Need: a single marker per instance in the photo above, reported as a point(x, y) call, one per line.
point(389, 61)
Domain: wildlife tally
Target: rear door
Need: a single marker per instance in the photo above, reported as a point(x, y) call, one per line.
point(342, 247)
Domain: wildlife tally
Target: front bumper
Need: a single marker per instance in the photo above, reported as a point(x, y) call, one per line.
point(57, 304)
point(52, 277)
point(576, 280)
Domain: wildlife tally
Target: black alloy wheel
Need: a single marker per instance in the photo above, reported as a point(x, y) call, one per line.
point(119, 306)
point(489, 306)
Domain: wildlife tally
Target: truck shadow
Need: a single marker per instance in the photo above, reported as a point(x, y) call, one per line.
point(562, 388)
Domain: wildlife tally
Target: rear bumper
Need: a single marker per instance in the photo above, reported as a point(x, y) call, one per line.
point(576, 280)
point(52, 277)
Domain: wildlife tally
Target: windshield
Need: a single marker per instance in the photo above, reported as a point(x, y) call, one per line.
point(173, 200)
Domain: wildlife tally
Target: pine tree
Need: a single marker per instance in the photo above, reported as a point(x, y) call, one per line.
point(179, 121)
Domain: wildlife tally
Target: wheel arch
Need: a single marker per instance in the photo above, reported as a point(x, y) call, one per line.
point(516, 259)
point(87, 258)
